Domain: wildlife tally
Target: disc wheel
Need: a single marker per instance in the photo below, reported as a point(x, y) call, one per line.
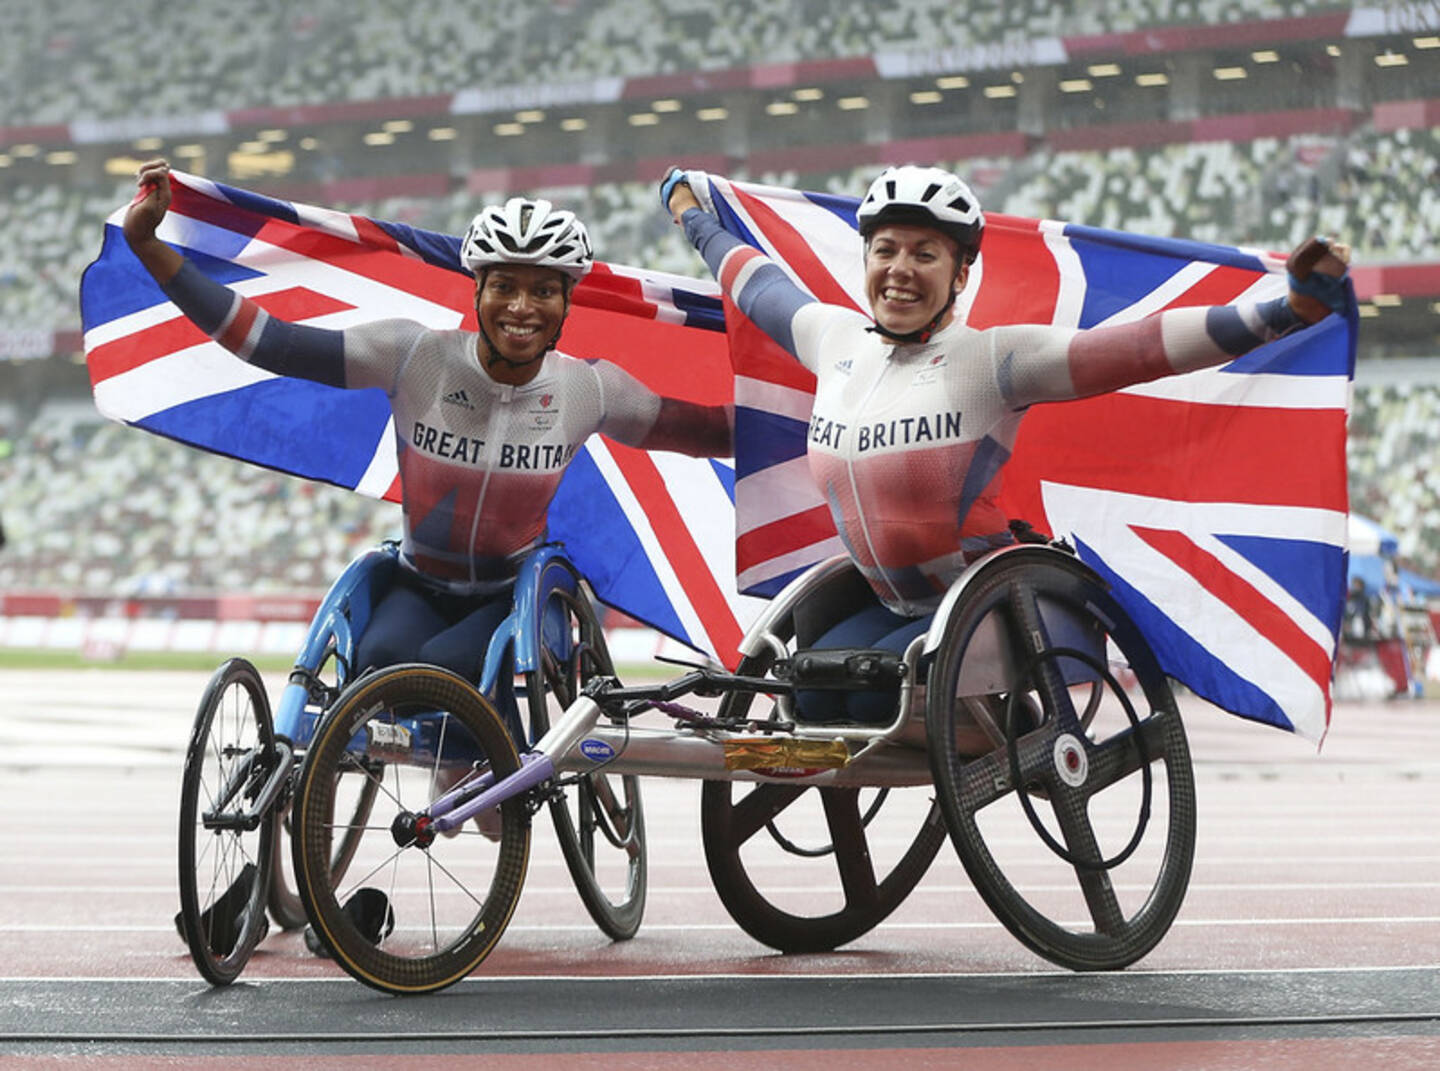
point(414, 732)
point(808, 869)
point(1089, 754)
point(224, 866)
point(599, 819)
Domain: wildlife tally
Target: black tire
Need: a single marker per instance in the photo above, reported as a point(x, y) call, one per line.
point(1078, 737)
point(287, 907)
point(451, 897)
point(595, 810)
point(225, 868)
point(793, 913)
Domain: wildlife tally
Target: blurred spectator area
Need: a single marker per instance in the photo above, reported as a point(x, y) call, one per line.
point(92, 59)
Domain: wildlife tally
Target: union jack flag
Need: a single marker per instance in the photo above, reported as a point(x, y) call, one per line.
point(652, 532)
point(1214, 502)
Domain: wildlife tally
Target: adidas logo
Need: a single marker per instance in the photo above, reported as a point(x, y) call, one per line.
point(458, 397)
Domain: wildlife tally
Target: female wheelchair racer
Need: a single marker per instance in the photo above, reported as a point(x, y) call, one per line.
point(243, 766)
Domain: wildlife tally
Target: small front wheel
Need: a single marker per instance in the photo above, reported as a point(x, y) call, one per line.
point(416, 910)
point(225, 843)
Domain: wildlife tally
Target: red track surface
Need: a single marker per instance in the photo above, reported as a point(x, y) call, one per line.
point(1304, 861)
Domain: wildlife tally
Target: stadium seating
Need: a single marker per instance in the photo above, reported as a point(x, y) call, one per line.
point(96, 60)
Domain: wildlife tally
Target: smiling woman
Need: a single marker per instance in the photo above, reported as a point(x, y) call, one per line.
point(485, 421)
point(521, 309)
point(916, 413)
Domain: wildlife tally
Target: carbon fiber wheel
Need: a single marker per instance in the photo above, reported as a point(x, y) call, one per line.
point(413, 731)
point(1089, 756)
point(806, 869)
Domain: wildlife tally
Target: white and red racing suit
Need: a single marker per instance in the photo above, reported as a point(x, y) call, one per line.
point(907, 441)
point(479, 460)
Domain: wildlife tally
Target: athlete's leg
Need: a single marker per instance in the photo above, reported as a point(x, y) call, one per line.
point(873, 627)
point(399, 626)
point(461, 648)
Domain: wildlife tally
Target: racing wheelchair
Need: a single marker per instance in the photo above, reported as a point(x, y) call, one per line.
point(1032, 700)
point(242, 765)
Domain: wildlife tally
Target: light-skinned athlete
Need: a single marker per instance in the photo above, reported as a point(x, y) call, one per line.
point(915, 413)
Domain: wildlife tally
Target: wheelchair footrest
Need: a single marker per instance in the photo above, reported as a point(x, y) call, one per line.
point(844, 669)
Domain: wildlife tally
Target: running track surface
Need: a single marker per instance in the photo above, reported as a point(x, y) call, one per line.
point(1310, 937)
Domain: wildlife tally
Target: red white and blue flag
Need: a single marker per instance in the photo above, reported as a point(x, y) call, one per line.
point(653, 532)
point(1214, 502)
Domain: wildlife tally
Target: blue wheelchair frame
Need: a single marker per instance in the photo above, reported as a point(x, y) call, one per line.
point(339, 621)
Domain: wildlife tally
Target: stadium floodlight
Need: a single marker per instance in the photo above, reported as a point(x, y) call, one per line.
point(509, 130)
point(397, 126)
point(1076, 85)
point(668, 105)
point(442, 133)
point(852, 104)
point(1103, 70)
point(1265, 55)
point(1391, 59)
point(712, 115)
point(781, 107)
point(1426, 42)
point(642, 119)
point(1154, 78)
point(952, 81)
point(1230, 74)
point(530, 115)
point(148, 144)
point(120, 165)
point(809, 93)
point(1000, 92)
point(574, 124)
point(60, 157)
point(926, 96)
point(376, 137)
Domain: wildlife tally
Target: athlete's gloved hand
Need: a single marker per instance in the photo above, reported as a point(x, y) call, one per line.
point(1317, 270)
point(682, 190)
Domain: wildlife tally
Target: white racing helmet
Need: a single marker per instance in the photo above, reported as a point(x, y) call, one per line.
point(525, 231)
point(926, 197)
